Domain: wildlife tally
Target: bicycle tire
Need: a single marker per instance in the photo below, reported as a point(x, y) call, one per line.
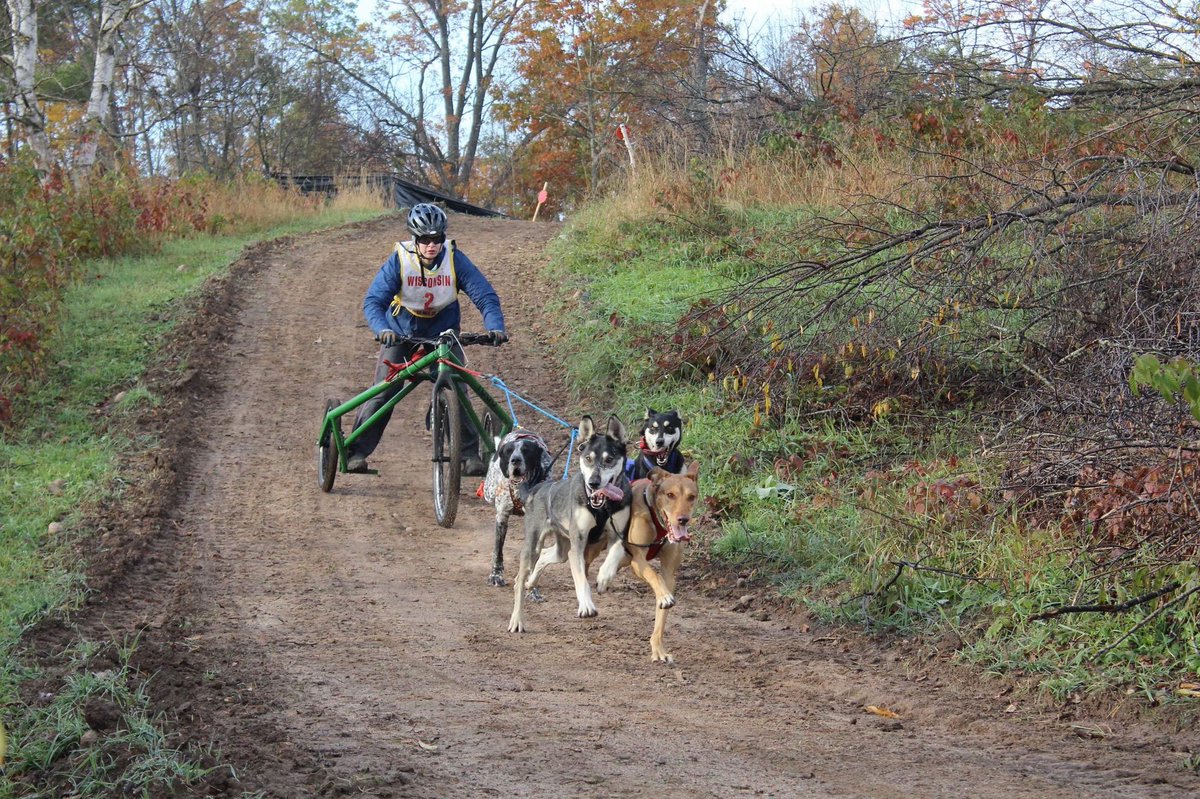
point(491, 429)
point(327, 454)
point(447, 454)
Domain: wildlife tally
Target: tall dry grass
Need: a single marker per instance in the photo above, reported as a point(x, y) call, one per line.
point(355, 194)
point(255, 203)
point(848, 170)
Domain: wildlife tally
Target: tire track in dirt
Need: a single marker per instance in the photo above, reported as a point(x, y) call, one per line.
point(340, 643)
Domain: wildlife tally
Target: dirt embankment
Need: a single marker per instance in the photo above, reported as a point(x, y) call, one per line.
point(342, 643)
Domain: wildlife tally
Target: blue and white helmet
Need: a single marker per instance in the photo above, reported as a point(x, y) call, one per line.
point(426, 219)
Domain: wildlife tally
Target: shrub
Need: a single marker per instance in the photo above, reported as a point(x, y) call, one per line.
point(34, 267)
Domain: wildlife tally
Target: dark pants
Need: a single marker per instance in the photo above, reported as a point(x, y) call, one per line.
point(400, 353)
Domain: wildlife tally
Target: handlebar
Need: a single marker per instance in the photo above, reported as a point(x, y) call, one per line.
point(465, 339)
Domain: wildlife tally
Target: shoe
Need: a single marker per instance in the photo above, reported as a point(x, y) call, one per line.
point(356, 464)
point(472, 466)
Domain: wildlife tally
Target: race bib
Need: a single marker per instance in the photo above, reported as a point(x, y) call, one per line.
point(424, 292)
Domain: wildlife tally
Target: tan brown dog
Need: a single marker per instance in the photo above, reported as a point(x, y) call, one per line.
point(662, 507)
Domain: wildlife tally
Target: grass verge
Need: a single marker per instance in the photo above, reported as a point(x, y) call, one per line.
point(58, 463)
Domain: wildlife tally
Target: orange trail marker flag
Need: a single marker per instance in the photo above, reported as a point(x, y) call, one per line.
point(542, 197)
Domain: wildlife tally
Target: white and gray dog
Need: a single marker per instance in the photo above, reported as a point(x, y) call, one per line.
point(573, 519)
point(522, 460)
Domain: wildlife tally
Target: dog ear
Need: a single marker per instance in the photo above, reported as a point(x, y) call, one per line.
point(693, 471)
point(649, 412)
point(586, 431)
point(657, 474)
point(503, 454)
point(536, 473)
point(616, 429)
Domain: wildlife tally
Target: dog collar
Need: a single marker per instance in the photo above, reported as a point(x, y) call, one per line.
point(518, 505)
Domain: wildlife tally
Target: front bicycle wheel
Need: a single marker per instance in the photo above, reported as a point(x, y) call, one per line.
point(447, 454)
point(327, 453)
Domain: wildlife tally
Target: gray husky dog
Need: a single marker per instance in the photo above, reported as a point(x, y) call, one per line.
point(577, 516)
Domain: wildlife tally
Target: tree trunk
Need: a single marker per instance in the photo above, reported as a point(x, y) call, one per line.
point(113, 14)
point(697, 95)
point(23, 14)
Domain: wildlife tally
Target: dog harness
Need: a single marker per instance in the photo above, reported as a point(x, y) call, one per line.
point(660, 529)
point(424, 292)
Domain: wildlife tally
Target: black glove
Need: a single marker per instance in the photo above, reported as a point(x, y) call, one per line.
point(498, 337)
point(388, 338)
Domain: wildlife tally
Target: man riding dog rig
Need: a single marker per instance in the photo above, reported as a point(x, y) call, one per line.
point(415, 294)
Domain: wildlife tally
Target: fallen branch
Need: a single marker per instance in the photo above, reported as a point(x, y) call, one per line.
point(971, 578)
point(1194, 589)
point(1121, 607)
point(869, 596)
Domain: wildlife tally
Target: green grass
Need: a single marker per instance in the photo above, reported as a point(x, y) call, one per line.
point(61, 458)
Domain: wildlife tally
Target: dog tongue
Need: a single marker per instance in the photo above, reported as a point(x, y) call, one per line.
point(613, 492)
point(678, 533)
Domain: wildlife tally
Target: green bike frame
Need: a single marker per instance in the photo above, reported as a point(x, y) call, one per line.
point(441, 367)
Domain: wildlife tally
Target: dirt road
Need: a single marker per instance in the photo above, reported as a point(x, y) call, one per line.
point(342, 643)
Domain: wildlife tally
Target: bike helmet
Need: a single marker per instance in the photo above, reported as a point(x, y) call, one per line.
point(427, 220)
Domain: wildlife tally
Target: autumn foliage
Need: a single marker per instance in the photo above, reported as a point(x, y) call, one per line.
point(587, 67)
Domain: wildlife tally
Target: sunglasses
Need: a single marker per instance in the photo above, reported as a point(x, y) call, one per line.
point(431, 239)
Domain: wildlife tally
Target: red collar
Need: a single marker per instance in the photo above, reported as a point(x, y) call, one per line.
point(660, 529)
point(658, 454)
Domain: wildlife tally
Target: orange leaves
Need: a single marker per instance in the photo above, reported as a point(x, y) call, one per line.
point(585, 67)
point(877, 710)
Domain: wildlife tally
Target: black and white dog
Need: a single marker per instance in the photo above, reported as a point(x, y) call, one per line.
point(658, 446)
point(522, 460)
point(572, 519)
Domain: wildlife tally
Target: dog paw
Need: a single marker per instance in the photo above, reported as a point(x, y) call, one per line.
point(496, 579)
point(516, 626)
point(586, 612)
point(535, 595)
point(667, 602)
point(603, 585)
point(662, 656)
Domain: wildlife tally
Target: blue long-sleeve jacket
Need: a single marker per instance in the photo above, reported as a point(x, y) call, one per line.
point(385, 286)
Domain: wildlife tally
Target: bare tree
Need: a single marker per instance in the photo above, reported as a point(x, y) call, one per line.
point(425, 76)
point(205, 69)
